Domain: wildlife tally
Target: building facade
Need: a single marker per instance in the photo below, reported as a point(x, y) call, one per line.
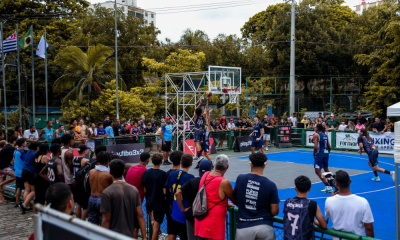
point(130, 8)
point(366, 5)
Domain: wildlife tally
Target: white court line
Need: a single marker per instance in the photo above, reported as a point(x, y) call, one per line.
point(379, 190)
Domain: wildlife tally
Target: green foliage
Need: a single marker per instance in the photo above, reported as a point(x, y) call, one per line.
point(381, 27)
point(91, 69)
point(138, 101)
point(181, 61)
point(13, 119)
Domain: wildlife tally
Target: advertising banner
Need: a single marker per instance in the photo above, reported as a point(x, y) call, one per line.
point(245, 143)
point(129, 153)
point(190, 148)
point(383, 142)
point(310, 140)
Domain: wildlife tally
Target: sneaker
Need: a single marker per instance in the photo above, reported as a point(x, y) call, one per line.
point(327, 189)
point(376, 179)
point(21, 208)
point(167, 163)
point(393, 175)
point(195, 158)
point(29, 209)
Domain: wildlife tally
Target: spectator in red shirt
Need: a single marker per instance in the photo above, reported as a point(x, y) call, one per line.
point(223, 123)
point(134, 177)
point(272, 117)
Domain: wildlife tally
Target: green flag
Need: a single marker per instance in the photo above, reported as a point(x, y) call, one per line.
point(26, 40)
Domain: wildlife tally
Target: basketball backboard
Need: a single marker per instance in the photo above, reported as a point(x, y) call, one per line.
point(225, 80)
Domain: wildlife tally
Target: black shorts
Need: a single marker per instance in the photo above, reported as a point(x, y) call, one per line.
point(166, 147)
point(27, 177)
point(178, 228)
point(19, 183)
point(159, 216)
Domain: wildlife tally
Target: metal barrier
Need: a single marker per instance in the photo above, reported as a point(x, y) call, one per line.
point(231, 221)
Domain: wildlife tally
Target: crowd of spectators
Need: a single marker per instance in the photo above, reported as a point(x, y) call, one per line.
point(113, 192)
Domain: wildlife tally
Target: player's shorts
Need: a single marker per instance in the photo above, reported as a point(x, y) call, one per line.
point(373, 158)
point(321, 161)
point(266, 137)
point(257, 144)
point(198, 135)
point(19, 183)
point(166, 147)
point(6, 172)
point(205, 147)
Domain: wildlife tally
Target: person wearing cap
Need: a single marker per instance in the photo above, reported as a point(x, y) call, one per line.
point(166, 137)
point(304, 121)
point(189, 191)
point(348, 212)
point(80, 197)
point(332, 123)
point(232, 126)
point(258, 201)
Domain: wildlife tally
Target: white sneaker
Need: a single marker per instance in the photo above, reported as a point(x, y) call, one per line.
point(327, 189)
point(393, 175)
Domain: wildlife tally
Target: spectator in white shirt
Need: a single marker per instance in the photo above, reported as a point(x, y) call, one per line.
point(342, 126)
point(349, 212)
point(294, 120)
point(31, 135)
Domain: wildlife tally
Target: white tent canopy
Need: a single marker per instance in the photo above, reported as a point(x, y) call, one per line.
point(394, 110)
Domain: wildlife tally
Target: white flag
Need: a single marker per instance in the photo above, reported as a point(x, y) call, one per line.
point(40, 51)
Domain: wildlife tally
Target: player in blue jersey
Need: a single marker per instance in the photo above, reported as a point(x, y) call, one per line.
point(300, 213)
point(47, 134)
point(365, 144)
point(205, 143)
point(199, 121)
point(322, 148)
point(257, 134)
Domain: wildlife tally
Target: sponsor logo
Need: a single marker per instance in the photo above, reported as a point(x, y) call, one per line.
point(130, 153)
point(348, 141)
point(245, 144)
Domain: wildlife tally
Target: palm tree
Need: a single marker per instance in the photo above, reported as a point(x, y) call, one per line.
point(90, 69)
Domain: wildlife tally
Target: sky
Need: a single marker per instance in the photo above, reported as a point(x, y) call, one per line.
point(213, 22)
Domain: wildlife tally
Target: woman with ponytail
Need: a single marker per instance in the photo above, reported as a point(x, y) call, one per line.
point(365, 144)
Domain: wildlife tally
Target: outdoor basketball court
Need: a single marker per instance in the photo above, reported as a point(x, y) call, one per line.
point(284, 165)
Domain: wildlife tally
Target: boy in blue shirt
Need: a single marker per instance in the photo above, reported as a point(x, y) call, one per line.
point(166, 137)
point(19, 158)
point(175, 181)
point(110, 133)
point(28, 172)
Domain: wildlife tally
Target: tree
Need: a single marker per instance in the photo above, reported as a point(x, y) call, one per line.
point(91, 69)
point(381, 28)
point(316, 22)
point(181, 61)
point(60, 19)
point(136, 39)
point(132, 104)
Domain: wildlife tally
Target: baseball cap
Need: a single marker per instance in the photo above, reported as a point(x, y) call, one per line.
point(205, 166)
point(166, 119)
point(332, 115)
point(231, 119)
point(82, 148)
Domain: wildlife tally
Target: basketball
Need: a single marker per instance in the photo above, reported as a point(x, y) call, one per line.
point(208, 94)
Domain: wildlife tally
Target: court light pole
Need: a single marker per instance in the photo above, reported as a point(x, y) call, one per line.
point(116, 56)
point(292, 60)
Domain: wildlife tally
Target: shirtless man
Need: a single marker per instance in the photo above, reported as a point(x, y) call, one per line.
point(67, 157)
point(99, 179)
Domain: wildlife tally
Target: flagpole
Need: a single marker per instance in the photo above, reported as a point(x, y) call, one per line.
point(33, 78)
point(19, 81)
point(45, 69)
point(4, 82)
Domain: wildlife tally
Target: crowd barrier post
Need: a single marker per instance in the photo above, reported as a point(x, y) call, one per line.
point(333, 143)
point(230, 139)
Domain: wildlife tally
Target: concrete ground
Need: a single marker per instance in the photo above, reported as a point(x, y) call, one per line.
point(15, 225)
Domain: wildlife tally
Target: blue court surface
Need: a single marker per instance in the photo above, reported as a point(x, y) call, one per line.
point(380, 195)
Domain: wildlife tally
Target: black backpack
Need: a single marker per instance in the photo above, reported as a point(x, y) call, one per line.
point(82, 176)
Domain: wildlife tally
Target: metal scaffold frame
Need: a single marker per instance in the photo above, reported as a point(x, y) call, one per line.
point(184, 90)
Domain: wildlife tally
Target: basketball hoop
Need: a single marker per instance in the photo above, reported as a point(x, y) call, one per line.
point(232, 93)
